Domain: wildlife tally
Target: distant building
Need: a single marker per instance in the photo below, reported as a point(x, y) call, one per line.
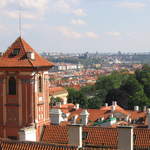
point(67, 66)
point(60, 92)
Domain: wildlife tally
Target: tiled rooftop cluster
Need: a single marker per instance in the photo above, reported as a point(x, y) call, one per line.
point(74, 79)
point(97, 117)
point(95, 136)
point(82, 77)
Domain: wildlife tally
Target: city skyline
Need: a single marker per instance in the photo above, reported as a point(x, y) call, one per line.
point(77, 25)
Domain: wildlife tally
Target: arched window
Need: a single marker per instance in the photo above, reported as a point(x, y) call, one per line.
point(40, 84)
point(12, 86)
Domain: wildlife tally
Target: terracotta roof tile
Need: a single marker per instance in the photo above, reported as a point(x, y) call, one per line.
point(17, 145)
point(20, 60)
point(96, 136)
point(54, 90)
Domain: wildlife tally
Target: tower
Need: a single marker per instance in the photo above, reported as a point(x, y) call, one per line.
point(24, 89)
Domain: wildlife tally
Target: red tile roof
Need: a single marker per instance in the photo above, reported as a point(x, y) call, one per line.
point(16, 145)
point(21, 60)
point(105, 112)
point(55, 90)
point(96, 136)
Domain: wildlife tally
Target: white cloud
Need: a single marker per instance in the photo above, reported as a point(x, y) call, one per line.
point(78, 22)
point(68, 32)
point(79, 12)
point(3, 28)
point(91, 35)
point(114, 34)
point(131, 5)
point(30, 8)
point(27, 26)
point(61, 6)
point(67, 6)
point(26, 4)
point(15, 15)
point(37, 4)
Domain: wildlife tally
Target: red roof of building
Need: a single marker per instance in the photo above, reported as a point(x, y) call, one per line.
point(105, 112)
point(56, 90)
point(8, 60)
point(96, 136)
point(17, 145)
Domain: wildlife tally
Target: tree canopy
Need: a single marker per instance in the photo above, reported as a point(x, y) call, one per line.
point(128, 90)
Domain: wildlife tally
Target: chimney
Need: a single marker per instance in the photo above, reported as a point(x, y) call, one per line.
point(58, 104)
point(27, 134)
point(125, 138)
point(113, 108)
point(136, 108)
point(77, 106)
point(30, 55)
point(56, 116)
point(130, 120)
point(148, 118)
point(145, 108)
point(84, 117)
point(114, 103)
point(127, 118)
point(106, 104)
point(75, 135)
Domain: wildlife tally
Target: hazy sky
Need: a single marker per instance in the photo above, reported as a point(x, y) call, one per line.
point(78, 25)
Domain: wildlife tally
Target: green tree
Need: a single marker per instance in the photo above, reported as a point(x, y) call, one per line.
point(118, 95)
point(54, 100)
point(135, 92)
point(77, 97)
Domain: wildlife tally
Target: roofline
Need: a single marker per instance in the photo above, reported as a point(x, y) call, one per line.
point(34, 67)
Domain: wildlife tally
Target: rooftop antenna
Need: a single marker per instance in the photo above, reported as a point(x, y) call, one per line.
point(20, 21)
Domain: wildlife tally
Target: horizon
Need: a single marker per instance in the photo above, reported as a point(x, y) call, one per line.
point(103, 26)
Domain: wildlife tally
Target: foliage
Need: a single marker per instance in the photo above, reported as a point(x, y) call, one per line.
point(54, 100)
point(127, 90)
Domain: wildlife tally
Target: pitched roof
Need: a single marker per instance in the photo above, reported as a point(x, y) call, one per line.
point(17, 145)
point(96, 136)
point(57, 90)
point(8, 60)
point(105, 112)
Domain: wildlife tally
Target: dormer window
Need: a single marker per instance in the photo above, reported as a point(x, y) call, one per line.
point(31, 55)
point(16, 51)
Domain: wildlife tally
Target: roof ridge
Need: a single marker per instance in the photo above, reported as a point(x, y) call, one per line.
point(21, 40)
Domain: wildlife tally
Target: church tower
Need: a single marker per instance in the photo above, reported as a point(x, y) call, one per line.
point(24, 90)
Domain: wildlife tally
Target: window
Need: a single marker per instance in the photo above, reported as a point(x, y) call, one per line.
point(40, 84)
point(12, 86)
point(84, 135)
point(16, 51)
point(12, 137)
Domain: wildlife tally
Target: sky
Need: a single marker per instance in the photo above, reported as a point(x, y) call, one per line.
point(77, 25)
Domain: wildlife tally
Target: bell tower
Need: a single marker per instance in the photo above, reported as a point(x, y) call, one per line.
point(24, 90)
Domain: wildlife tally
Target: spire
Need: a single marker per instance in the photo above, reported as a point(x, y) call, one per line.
point(20, 21)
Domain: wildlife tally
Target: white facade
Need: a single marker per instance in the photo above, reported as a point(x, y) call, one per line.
point(56, 116)
point(75, 135)
point(84, 117)
point(125, 138)
point(27, 134)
